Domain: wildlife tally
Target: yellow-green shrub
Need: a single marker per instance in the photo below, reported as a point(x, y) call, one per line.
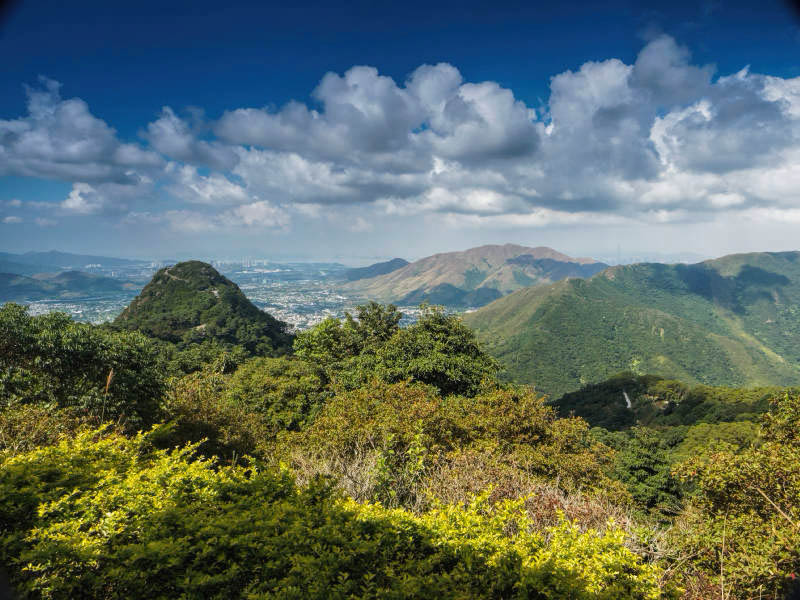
point(107, 517)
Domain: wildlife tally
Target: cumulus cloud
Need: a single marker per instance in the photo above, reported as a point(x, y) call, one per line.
point(172, 136)
point(214, 189)
point(104, 198)
point(659, 140)
point(61, 139)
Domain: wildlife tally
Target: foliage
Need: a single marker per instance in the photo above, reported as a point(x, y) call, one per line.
point(179, 361)
point(53, 361)
point(108, 517)
point(191, 303)
point(438, 350)
point(24, 427)
point(732, 321)
point(402, 443)
point(643, 465)
point(232, 414)
point(286, 392)
point(743, 524)
point(197, 411)
point(706, 437)
point(657, 402)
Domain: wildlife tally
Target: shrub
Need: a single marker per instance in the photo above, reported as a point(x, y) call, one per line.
point(286, 392)
point(743, 525)
point(105, 517)
point(399, 443)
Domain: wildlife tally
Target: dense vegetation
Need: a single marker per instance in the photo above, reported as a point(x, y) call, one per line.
point(191, 303)
point(377, 462)
point(55, 362)
point(656, 401)
point(731, 321)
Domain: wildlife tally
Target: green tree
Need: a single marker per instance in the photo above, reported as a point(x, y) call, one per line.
point(643, 464)
point(438, 350)
point(54, 361)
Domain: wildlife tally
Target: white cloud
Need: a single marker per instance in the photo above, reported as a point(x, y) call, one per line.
point(214, 189)
point(42, 222)
point(11, 220)
point(61, 139)
point(173, 136)
point(661, 140)
point(104, 198)
point(360, 225)
point(256, 214)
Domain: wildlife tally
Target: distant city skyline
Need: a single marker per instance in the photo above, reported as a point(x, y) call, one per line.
point(380, 130)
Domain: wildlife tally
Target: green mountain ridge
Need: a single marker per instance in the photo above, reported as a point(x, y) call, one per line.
point(191, 302)
point(729, 321)
point(626, 400)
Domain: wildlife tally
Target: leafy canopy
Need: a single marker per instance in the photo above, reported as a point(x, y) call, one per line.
point(438, 350)
point(51, 360)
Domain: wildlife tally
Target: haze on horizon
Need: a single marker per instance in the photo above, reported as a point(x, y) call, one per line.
point(378, 130)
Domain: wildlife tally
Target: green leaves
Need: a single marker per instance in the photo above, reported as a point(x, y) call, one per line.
point(103, 517)
point(438, 350)
point(51, 360)
point(744, 523)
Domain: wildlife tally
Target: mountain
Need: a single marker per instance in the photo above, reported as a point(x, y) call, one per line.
point(381, 268)
point(473, 277)
point(19, 268)
point(191, 302)
point(66, 285)
point(729, 321)
point(64, 260)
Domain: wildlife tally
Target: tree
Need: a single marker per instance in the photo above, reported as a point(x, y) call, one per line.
point(54, 361)
point(438, 350)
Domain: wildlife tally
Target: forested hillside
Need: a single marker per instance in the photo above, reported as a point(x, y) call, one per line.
point(731, 321)
point(191, 303)
point(374, 461)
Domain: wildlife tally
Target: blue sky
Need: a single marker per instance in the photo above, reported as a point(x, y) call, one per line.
point(229, 129)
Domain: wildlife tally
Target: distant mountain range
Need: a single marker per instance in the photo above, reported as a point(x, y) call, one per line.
point(730, 321)
point(54, 260)
point(381, 268)
point(473, 277)
point(65, 285)
point(191, 302)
